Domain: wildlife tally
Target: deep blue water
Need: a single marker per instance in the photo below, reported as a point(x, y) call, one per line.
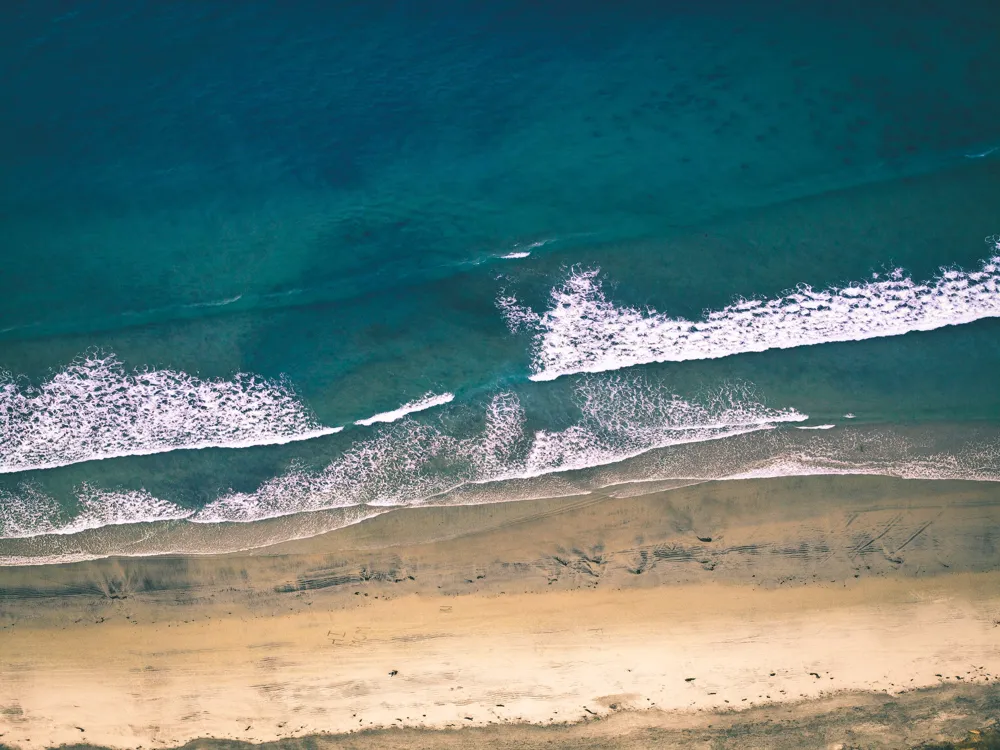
point(229, 229)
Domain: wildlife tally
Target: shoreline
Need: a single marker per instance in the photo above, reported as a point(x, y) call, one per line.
point(631, 478)
point(647, 613)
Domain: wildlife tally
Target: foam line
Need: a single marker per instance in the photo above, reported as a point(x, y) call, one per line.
point(428, 401)
point(629, 429)
point(582, 331)
point(30, 513)
point(523, 250)
point(624, 417)
point(408, 462)
point(95, 409)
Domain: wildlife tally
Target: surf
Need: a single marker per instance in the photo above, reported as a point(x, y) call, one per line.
point(96, 409)
point(428, 401)
point(582, 331)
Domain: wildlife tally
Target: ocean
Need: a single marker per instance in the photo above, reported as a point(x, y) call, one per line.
point(269, 269)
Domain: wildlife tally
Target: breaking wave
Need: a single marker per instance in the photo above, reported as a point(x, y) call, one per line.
point(583, 331)
point(96, 409)
point(428, 401)
point(30, 512)
point(936, 452)
point(410, 462)
point(407, 462)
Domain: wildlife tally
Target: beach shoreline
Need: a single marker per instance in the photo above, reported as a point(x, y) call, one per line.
point(645, 613)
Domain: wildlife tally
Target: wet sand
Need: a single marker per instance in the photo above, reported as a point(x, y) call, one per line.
point(599, 618)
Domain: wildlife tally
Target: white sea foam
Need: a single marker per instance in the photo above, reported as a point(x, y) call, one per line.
point(625, 416)
point(726, 437)
point(523, 250)
point(938, 452)
point(409, 462)
point(145, 539)
point(30, 512)
point(96, 409)
point(404, 463)
point(518, 317)
point(902, 462)
point(428, 401)
point(583, 331)
point(934, 453)
point(629, 431)
point(817, 427)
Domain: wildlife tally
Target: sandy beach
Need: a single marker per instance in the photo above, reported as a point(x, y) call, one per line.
point(504, 376)
point(690, 612)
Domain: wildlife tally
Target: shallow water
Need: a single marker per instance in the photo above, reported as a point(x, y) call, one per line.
point(237, 241)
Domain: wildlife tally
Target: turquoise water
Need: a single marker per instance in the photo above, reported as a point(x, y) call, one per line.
point(579, 244)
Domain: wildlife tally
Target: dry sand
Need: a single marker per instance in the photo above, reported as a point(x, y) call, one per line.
point(674, 612)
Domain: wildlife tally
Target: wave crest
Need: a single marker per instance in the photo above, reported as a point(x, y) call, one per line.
point(583, 331)
point(427, 401)
point(96, 409)
point(408, 462)
point(30, 512)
